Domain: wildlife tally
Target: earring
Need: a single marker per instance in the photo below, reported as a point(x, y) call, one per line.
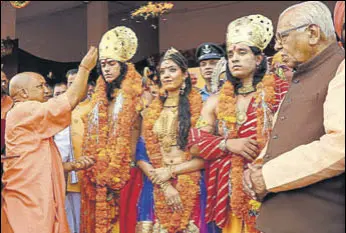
point(182, 89)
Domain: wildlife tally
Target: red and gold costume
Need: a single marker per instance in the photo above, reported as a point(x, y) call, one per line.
point(108, 137)
point(227, 204)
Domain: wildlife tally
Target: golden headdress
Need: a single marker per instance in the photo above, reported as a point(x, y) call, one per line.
point(277, 58)
point(119, 43)
point(177, 57)
point(253, 30)
point(169, 53)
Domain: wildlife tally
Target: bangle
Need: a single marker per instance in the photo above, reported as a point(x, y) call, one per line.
point(82, 66)
point(173, 174)
point(223, 145)
point(164, 186)
point(76, 165)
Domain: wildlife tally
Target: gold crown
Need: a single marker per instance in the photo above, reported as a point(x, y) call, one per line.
point(168, 54)
point(119, 43)
point(277, 58)
point(252, 30)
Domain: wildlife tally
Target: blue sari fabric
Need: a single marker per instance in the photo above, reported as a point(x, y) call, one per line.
point(145, 204)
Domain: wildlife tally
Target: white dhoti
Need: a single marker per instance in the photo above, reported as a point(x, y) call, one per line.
point(72, 207)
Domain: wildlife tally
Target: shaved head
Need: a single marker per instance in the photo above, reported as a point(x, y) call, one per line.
point(27, 86)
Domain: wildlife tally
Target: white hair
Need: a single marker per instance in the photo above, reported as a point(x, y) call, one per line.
point(312, 12)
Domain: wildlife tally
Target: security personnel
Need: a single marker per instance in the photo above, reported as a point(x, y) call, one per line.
point(208, 55)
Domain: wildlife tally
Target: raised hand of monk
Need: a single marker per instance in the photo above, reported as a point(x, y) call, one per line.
point(160, 175)
point(173, 198)
point(245, 147)
point(90, 59)
point(78, 90)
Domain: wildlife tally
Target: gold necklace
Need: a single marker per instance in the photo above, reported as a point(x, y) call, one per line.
point(246, 89)
point(241, 116)
point(171, 101)
point(241, 113)
point(166, 128)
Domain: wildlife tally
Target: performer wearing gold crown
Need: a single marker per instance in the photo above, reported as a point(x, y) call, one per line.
point(111, 134)
point(173, 195)
point(243, 108)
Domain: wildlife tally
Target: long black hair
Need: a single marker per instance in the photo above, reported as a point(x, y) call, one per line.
point(117, 82)
point(184, 113)
point(258, 76)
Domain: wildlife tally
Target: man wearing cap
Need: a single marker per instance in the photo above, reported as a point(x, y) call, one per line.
point(207, 55)
point(111, 134)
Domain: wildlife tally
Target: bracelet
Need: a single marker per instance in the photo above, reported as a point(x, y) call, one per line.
point(164, 186)
point(82, 66)
point(171, 170)
point(223, 145)
point(76, 165)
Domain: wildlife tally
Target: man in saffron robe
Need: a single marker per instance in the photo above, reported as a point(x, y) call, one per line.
point(34, 187)
point(6, 104)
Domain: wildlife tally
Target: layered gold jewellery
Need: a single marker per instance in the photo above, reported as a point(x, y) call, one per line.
point(166, 127)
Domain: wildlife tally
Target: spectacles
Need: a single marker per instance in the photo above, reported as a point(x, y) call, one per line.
point(281, 35)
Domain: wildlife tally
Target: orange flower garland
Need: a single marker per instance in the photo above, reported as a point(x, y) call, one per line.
point(112, 151)
point(19, 4)
point(187, 184)
point(153, 10)
point(227, 113)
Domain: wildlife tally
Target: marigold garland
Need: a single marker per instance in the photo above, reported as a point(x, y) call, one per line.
point(187, 184)
point(152, 9)
point(19, 4)
point(240, 202)
point(112, 151)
